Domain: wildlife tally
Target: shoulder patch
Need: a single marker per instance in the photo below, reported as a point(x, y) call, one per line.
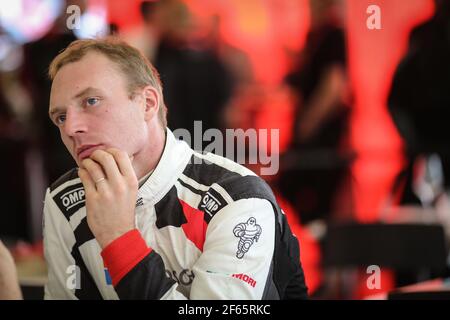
point(70, 199)
point(211, 203)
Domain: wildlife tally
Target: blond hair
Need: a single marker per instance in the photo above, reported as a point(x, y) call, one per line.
point(137, 69)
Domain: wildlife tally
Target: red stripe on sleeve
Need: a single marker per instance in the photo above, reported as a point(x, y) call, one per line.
point(195, 228)
point(124, 253)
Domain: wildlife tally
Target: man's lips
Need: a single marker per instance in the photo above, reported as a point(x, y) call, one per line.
point(86, 150)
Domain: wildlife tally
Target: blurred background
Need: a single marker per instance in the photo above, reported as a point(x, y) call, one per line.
point(358, 90)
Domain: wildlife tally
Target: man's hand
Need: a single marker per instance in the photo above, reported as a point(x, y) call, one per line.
point(111, 186)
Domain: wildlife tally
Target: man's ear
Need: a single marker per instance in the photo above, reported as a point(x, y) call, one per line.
point(151, 100)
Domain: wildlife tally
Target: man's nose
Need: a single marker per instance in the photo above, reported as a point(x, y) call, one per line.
point(74, 123)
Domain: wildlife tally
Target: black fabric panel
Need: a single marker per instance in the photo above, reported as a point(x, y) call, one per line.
point(288, 273)
point(207, 173)
point(83, 233)
point(146, 281)
point(88, 289)
point(69, 175)
point(169, 211)
point(248, 187)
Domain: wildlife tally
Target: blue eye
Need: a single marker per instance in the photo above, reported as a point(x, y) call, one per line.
point(92, 101)
point(60, 119)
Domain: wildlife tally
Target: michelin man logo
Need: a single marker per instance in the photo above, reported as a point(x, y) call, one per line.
point(247, 233)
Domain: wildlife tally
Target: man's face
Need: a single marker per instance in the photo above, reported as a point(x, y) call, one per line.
point(90, 104)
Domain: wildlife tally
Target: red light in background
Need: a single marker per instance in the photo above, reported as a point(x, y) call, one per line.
point(265, 29)
point(374, 55)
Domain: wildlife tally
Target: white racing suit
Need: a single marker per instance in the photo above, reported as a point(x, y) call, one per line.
point(185, 245)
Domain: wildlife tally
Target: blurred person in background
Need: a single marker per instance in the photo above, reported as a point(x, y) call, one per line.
point(197, 84)
point(9, 284)
point(38, 55)
point(247, 96)
point(13, 145)
point(7, 122)
point(317, 161)
point(236, 60)
point(419, 103)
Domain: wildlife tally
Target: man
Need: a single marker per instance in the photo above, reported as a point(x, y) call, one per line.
point(419, 104)
point(9, 284)
point(177, 53)
point(143, 217)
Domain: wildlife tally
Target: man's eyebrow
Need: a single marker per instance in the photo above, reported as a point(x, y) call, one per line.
point(53, 111)
point(87, 91)
point(83, 92)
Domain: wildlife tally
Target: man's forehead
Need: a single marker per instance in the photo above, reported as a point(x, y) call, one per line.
point(94, 70)
point(89, 65)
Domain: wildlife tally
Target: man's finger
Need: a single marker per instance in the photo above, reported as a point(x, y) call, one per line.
point(108, 164)
point(87, 181)
point(123, 162)
point(95, 171)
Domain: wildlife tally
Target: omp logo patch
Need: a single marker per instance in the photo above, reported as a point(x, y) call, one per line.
point(211, 202)
point(70, 199)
